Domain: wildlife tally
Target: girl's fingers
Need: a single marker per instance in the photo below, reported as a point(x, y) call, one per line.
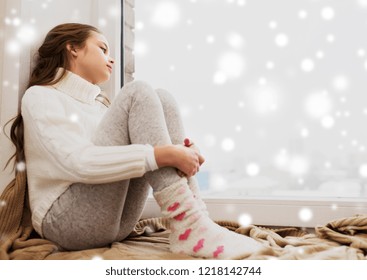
point(180, 173)
point(187, 142)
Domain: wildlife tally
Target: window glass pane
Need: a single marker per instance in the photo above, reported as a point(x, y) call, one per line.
point(273, 92)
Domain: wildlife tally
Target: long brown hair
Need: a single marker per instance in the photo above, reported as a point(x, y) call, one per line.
point(51, 55)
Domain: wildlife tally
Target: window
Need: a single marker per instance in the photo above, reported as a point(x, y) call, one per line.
point(273, 92)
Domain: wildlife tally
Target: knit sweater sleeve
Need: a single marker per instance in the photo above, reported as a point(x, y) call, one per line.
point(57, 146)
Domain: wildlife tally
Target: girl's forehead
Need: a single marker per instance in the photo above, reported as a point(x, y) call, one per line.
point(98, 37)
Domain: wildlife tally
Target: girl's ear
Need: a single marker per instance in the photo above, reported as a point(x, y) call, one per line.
point(72, 50)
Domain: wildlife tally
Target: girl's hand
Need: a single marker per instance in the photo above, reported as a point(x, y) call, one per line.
point(188, 163)
point(183, 158)
point(188, 143)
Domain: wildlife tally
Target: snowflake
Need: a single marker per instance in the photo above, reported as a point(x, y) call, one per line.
point(13, 47)
point(74, 118)
point(26, 34)
point(318, 104)
point(273, 25)
point(327, 122)
point(166, 15)
point(281, 40)
point(298, 165)
point(302, 14)
point(307, 65)
point(253, 169)
point(228, 144)
point(245, 220)
point(363, 170)
point(340, 83)
point(140, 49)
point(231, 64)
point(305, 214)
point(218, 182)
point(235, 40)
point(304, 132)
point(2, 203)
point(327, 13)
point(97, 258)
point(210, 39)
point(334, 207)
point(21, 166)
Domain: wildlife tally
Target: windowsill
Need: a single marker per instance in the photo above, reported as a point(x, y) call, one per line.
point(277, 211)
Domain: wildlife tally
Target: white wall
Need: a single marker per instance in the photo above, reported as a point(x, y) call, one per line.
point(9, 75)
point(42, 16)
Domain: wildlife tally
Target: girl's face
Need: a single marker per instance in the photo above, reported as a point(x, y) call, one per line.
point(93, 61)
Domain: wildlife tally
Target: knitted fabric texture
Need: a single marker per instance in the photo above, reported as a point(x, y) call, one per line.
point(193, 232)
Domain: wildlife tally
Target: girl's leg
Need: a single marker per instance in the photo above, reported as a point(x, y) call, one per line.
point(193, 232)
point(137, 195)
point(88, 216)
point(177, 132)
point(139, 187)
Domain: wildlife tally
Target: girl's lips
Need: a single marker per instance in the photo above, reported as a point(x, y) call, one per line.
point(109, 68)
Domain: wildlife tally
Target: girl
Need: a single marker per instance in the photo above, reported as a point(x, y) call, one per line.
point(90, 163)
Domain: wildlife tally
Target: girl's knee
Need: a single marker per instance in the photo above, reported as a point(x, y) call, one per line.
point(140, 88)
point(168, 101)
point(137, 91)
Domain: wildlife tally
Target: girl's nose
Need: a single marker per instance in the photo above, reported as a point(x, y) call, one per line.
point(111, 60)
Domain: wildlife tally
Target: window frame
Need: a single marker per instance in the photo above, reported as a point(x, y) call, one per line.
point(279, 211)
point(266, 211)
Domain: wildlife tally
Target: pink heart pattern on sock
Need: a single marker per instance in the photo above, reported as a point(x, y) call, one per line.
point(193, 232)
point(173, 207)
point(199, 245)
point(180, 217)
point(219, 250)
point(185, 235)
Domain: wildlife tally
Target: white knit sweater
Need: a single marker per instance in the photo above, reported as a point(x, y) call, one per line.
point(59, 122)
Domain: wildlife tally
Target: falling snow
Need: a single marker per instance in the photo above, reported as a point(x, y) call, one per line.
point(278, 96)
point(2, 203)
point(166, 15)
point(228, 144)
point(363, 170)
point(21, 166)
point(318, 104)
point(305, 215)
point(281, 40)
point(252, 169)
point(307, 65)
point(245, 220)
point(74, 118)
point(97, 258)
point(327, 13)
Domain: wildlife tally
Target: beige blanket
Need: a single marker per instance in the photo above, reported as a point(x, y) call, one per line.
point(340, 239)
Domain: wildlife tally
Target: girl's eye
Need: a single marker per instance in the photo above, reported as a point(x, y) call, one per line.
point(104, 49)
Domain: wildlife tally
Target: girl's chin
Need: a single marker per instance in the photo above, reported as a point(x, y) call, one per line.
point(103, 80)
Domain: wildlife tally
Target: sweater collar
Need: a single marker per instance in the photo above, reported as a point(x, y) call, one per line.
point(77, 87)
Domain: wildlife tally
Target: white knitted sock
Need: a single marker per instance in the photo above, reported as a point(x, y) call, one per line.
point(194, 187)
point(193, 232)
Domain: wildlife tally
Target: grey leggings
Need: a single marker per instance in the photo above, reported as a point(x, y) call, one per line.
point(89, 216)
